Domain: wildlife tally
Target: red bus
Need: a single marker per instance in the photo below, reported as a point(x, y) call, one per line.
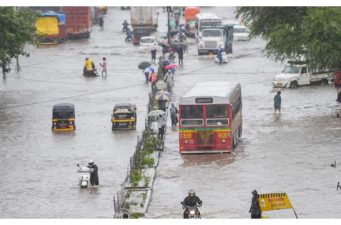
point(210, 118)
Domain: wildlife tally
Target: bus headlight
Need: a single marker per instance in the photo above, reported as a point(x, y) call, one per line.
point(223, 140)
point(186, 141)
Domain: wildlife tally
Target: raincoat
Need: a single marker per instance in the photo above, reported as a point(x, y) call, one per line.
point(89, 65)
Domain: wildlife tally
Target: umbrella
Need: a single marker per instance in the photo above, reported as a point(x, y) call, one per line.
point(164, 62)
point(162, 96)
point(161, 85)
point(144, 65)
point(170, 66)
point(151, 69)
point(156, 113)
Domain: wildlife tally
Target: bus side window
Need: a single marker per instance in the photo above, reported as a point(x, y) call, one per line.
point(236, 107)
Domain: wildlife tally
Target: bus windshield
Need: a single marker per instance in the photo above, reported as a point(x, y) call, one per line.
point(191, 112)
point(216, 115)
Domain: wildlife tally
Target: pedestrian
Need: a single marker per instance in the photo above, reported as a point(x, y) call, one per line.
point(174, 115)
point(93, 173)
point(103, 64)
point(339, 96)
point(146, 74)
point(277, 102)
point(101, 23)
point(256, 212)
point(129, 35)
point(161, 125)
point(180, 52)
point(153, 53)
point(153, 78)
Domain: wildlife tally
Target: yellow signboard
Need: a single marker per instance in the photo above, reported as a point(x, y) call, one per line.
point(274, 201)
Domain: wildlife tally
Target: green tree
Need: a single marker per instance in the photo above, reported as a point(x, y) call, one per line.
point(16, 29)
point(293, 32)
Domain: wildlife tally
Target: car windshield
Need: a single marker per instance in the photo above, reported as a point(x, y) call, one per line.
point(241, 30)
point(291, 69)
point(147, 40)
point(212, 33)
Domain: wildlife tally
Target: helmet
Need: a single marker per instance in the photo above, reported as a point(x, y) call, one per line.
point(91, 162)
point(191, 192)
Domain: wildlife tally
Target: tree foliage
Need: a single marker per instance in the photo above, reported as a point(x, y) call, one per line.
point(16, 29)
point(295, 32)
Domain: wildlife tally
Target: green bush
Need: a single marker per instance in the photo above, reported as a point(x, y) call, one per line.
point(135, 177)
point(147, 161)
point(136, 215)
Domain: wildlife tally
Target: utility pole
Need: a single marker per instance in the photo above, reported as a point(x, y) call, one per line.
point(169, 10)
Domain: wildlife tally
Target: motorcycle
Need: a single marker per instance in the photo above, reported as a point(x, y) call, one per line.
point(90, 73)
point(192, 212)
point(224, 58)
point(84, 179)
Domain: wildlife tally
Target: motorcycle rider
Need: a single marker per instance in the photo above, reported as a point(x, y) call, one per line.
point(220, 51)
point(191, 201)
point(93, 173)
point(89, 66)
point(129, 35)
point(174, 115)
point(125, 26)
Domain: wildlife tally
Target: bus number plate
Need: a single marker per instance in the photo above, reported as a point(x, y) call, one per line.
point(187, 135)
point(222, 135)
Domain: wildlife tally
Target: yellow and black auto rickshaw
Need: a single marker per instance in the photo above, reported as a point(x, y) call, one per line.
point(124, 117)
point(63, 117)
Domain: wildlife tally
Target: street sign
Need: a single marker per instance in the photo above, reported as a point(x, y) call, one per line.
point(274, 201)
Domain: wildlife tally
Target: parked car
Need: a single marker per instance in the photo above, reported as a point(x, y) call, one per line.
point(146, 43)
point(241, 33)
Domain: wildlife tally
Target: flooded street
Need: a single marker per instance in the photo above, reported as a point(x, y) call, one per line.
point(290, 153)
point(39, 178)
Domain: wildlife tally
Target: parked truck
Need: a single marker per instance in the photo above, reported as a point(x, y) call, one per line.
point(78, 21)
point(144, 17)
point(50, 28)
point(296, 74)
point(144, 21)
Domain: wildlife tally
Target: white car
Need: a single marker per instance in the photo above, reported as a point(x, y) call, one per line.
point(146, 43)
point(241, 33)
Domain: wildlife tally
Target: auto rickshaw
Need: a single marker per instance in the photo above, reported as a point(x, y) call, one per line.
point(63, 117)
point(124, 117)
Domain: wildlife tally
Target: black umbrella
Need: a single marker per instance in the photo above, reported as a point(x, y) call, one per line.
point(144, 65)
point(165, 62)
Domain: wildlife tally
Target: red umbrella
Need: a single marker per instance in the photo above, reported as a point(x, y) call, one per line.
point(170, 66)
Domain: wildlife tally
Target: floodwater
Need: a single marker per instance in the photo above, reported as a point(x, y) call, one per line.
point(290, 153)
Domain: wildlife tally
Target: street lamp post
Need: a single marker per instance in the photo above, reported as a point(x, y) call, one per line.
point(169, 10)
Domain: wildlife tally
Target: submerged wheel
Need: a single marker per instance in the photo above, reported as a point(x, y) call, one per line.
point(235, 139)
point(293, 84)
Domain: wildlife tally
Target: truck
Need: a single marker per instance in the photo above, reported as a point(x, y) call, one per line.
point(78, 21)
point(144, 21)
point(212, 38)
point(50, 28)
point(141, 16)
point(297, 74)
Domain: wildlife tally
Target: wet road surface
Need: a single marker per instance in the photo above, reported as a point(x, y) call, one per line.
point(290, 153)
